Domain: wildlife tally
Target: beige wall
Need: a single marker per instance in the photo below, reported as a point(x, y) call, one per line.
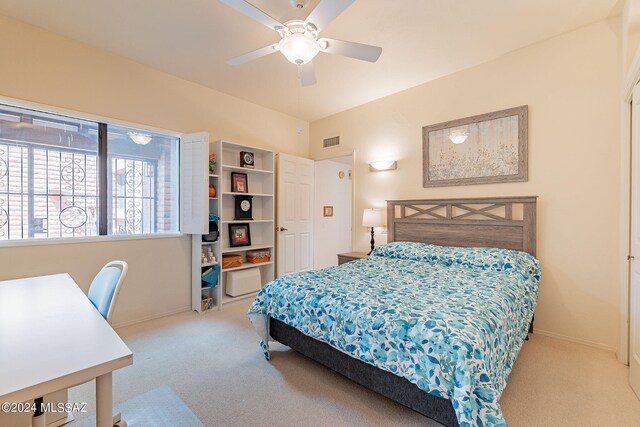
point(572, 86)
point(630, 32)
point(41, 67)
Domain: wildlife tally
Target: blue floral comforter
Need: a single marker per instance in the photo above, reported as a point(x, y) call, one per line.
point(450, 320)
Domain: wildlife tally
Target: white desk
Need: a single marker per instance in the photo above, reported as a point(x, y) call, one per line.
point(52, 338)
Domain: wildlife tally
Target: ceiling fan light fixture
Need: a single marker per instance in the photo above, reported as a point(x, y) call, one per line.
point(299, 39)
point(299, 49)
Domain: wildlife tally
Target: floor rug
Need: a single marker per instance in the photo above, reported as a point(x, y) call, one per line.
point(159, 407)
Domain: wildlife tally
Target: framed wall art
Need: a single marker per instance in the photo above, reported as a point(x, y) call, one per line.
point(483, 149)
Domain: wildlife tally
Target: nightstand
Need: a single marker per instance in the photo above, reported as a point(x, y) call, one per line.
point(350, 256)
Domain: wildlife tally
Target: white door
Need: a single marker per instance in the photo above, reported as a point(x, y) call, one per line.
point(634, 301)
point(295, 214)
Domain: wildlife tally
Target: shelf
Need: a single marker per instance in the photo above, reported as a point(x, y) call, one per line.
point(247, 265)
point(226, 299)
point(242, 221)
point(262, 184)
point(246, 248)
point(208, 265)
point(242, 147)
point(230, 193)
point(241, 169)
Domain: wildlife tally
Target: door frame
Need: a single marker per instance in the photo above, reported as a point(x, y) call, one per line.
point(333, 153)
point(624, 266)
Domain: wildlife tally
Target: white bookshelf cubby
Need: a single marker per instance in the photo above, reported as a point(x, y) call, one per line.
point(260, 185)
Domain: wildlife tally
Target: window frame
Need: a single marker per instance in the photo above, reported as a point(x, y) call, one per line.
point(102, 156)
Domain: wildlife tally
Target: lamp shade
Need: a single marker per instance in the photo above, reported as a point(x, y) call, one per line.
point(372, 218)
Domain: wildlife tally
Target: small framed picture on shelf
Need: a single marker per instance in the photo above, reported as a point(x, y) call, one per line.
point(239, 182)
point(239, 235)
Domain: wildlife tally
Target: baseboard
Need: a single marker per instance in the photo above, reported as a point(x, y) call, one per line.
point(151, 317)
point(537, 331)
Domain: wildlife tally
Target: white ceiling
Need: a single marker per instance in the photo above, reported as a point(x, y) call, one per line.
point(422, 40)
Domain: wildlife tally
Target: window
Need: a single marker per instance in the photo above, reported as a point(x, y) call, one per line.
point(143, 181)
point(67, 177)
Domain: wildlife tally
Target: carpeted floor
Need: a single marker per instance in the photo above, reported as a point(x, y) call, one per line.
point(213, 364)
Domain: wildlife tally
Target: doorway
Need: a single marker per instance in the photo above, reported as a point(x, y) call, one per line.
point(333, 210)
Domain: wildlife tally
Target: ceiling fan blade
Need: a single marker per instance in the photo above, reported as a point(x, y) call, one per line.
point(326, 11)
point(259, 53)
point(253, 12)
point(307, 73)
point(360, 51)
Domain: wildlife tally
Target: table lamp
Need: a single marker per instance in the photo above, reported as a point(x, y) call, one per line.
point(372, 218)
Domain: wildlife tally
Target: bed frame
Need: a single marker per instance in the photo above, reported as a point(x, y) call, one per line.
point(498, 222)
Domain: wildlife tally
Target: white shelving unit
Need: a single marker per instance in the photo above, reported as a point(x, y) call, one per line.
point(200, 289)
point(261, 185)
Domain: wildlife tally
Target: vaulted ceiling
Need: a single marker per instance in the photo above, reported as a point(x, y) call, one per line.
point(422, 40)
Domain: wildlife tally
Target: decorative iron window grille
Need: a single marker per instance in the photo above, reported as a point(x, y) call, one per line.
point(66, 177)
point(133, 196)
point(47, 193)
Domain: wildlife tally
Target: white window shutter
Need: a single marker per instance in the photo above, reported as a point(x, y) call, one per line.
point(194, 183)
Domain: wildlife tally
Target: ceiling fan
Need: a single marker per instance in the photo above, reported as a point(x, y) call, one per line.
point(299, 41)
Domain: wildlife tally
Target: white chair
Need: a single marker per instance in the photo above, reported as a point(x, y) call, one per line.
point(103, 294)
point(106, 286)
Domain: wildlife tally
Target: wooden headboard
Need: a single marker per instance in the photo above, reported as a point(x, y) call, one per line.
point(496, 222)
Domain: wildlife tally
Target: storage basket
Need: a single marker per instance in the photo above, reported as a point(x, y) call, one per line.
point(231, 261)
point(206, 303)
point(256, 257)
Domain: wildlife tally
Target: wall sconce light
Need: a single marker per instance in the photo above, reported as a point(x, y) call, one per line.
point(139, 138)
point(383, 165)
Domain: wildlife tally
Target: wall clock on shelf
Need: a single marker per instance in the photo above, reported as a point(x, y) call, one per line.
point(247, 159)
point(243, 207)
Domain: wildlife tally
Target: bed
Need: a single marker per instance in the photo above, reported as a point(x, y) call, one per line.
point(434, 320)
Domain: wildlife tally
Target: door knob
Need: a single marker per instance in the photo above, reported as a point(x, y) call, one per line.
point(283, 229)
